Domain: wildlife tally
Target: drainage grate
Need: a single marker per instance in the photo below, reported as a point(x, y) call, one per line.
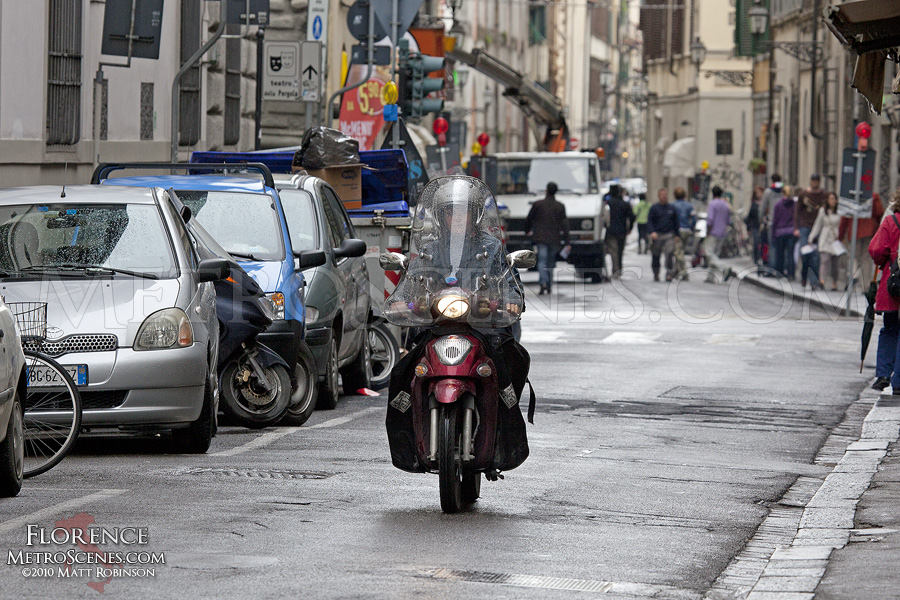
point(256, 473)
point(563, 583)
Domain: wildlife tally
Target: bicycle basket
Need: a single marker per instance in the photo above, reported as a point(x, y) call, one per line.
point(31, 319)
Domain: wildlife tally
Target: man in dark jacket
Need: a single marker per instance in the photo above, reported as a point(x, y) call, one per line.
point(549, 229)
point(621, 220)
point(662, 223)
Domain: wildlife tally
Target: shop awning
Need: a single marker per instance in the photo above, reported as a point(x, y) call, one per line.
point(871, 28)
point(679, 158)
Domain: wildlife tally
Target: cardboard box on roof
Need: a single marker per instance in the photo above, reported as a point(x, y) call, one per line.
point(346, 181)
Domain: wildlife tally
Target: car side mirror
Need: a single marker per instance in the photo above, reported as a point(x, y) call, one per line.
point(213, 269)
point(307, 259)
point(522, 259)
point(393, 261)
point(351, 248)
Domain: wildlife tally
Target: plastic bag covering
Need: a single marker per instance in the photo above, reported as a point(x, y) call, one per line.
point(324, 147)
point(458, 259)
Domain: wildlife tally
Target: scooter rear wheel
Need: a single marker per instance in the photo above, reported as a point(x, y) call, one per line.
point(255, 409)
point(449, 466)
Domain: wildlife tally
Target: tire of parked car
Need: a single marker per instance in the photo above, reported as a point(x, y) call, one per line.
point(197, 437)
point(238, 402)
point(305, 394)
point(358, 374)
point(384, 351)
point(12, 452)
point(328, 389)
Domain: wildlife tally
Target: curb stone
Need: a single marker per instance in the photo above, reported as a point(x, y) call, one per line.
point(787, 556)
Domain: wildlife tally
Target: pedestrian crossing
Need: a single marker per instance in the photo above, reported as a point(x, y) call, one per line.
point(638, 338)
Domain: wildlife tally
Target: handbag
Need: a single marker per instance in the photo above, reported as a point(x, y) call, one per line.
point(838, 248)
point(893, 282)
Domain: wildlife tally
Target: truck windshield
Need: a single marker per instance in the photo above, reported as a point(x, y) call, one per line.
point(531, 175)
point(245, 224)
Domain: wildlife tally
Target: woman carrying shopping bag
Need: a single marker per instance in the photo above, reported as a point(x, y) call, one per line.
point(825, 233)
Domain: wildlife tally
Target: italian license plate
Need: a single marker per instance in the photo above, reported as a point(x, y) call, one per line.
point(45, 377)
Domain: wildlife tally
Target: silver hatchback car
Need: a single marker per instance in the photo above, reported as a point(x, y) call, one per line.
point(130, 307)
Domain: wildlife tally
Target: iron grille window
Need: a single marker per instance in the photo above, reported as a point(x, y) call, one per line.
point(537, 24)
point(232, 91)
point(64, 73)
point(723, 142)
point(189, 116)
point(146, 111)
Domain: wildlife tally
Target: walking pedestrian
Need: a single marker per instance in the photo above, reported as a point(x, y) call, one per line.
point(809, 201)
point(754, 224)
point(767, 210)
point(641, 211)
point(784, 234)
point(548, 227)
point(825, 233)
point(883, 250)
point(686, 220)
point(718, 216)
point(662, 223)
point(861, 273)
point(621, 221)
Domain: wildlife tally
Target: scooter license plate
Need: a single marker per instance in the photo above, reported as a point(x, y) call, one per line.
point(46, 377)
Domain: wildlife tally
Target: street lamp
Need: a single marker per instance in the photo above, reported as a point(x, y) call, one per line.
point(759, 18)
point(606, 77)
point(698, 52)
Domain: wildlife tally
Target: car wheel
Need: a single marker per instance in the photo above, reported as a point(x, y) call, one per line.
point(328, 389)
point(303, 398)
point(385, 353)
point(12, 452)
point(358, 374)
point(196, 437)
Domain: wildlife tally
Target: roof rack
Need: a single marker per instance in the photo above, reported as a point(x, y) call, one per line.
point(103, 170)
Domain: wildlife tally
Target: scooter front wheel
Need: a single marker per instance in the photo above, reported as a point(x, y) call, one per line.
point(449, 465)
point(250, 405)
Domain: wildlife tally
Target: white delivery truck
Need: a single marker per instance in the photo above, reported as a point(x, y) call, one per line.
point(521, 180)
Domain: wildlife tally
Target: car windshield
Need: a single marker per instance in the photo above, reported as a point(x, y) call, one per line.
point(126, 237)
point(301, 219)
point(531, 175)
point(245, 224)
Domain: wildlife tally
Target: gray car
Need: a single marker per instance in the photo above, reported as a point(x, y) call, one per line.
point(338, 306)
point(130, 307)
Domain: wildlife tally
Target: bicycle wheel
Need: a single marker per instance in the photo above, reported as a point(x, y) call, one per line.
point(52, 413)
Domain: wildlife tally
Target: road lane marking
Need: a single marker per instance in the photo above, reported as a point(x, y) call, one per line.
point(732, 339)
point(276, 434)
point(631, 337)
point(56, 509)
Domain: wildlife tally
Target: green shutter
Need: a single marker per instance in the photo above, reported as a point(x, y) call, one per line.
point(744, 44)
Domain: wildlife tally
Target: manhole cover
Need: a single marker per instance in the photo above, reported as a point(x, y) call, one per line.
point(256, 473)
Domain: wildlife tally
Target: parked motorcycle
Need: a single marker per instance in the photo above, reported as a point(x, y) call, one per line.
point(454, 399)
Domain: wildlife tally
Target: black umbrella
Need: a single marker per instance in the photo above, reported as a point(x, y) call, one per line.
point(869, 319)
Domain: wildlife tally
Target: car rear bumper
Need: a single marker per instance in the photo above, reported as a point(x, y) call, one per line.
point(284, 337)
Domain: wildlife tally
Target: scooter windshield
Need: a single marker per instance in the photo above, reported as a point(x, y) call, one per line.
point(458, 270)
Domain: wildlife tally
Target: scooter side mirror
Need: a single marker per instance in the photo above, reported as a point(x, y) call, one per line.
point(213, 269)
point(351, 248)
point(393, 261)
point(307, 259)
point(522, 259)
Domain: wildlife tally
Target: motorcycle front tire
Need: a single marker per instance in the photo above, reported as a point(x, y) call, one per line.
point(238, 408)
point(449, 467)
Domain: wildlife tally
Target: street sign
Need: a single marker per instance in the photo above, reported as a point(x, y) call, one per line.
point(406, 13)
point(317, 21)
point(310, 71)
point(236, 12)
point(358, 22)
point(848, 175)
point(281, 71)
point(117, 28)
point(442, 159)
point(360, 55)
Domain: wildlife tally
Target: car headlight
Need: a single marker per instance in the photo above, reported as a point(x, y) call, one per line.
point(312, 315)
point(587, 224)
point(452, 306)
point(167, 328)
point(277, 301)
point(452, 349)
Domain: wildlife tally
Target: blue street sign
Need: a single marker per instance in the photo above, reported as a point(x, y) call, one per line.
point(317, 27)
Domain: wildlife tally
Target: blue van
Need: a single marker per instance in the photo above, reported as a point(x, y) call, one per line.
point(245, 216)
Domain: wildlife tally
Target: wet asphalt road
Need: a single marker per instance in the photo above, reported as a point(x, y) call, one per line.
point(669, 420)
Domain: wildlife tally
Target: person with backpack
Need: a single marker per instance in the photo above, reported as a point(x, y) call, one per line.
point(883, 250)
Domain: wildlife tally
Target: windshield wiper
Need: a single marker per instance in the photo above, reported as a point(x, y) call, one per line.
point(88, 269)
point(241, 255)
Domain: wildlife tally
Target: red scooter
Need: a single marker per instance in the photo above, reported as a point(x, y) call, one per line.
point(454, 399)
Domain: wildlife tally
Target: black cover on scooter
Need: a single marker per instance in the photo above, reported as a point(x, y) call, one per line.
point(512, 362)
point(238, 308)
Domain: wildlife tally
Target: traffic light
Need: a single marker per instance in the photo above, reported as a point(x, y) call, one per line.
point(415, 84)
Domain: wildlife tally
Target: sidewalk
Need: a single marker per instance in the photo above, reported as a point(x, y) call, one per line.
point(832, 302)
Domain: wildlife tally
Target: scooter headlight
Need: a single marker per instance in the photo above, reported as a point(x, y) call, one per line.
point(452, 349)
point(452, 306)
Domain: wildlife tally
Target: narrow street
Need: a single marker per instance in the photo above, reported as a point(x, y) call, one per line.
point(668, 426)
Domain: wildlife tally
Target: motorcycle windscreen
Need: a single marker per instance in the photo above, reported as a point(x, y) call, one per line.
point(457, 270)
